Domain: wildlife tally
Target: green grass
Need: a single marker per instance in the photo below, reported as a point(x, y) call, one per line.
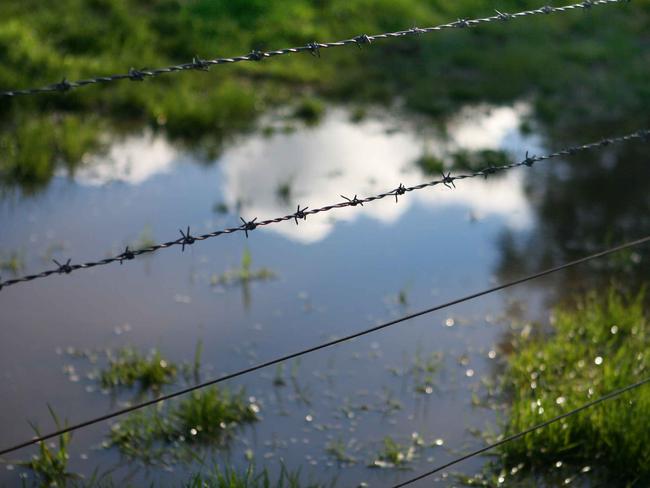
point(50, 464)
point(12, 262)
point(598, 345)
point(129, 367)
point(338, 449)
point(229, 478)
point(395, 455)
point(424, 372)
point(207, 417)
point(599, 56)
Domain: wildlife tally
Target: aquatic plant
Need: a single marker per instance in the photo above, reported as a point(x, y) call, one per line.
point(129, 367)
point(244, 274)
point(208, 417)
point(424, 371)
point(338, 449)
point(395, 455)
point(50, 464)
point(13, 261)
point(230, 478)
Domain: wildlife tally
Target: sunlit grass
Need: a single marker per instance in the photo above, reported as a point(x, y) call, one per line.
point(208, 417)
point(597, 346)
point(230, 478)
point(128, 368)
point(49, 465)
point(396, 455)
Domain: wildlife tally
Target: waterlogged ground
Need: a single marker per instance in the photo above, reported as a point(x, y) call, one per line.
point(326, 414)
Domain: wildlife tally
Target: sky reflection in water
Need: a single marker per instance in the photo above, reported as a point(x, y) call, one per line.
point(348, 278)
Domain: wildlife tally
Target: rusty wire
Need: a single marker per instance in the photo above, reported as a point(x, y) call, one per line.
point(248, 226)
point(313, 47)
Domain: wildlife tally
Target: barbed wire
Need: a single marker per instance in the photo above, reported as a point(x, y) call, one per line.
point(448, 180)
point(313, 47)
point(325, 345)
point(609, 396)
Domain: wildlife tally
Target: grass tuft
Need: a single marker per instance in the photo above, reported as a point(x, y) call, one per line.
point(229, 478)
point(129, 367)
point(207, 417)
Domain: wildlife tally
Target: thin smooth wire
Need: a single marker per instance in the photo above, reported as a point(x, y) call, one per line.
point(313, 48)
point(324, 345)
point(505, 440)
point(301, 214)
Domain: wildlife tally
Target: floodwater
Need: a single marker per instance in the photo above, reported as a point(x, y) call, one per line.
point(336, 273)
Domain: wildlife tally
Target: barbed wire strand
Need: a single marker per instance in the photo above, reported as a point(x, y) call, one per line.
point(447, 180)
point(324, 345)
point(609, 396)
point(314, 48)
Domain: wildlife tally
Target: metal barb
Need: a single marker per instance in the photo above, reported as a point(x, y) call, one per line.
point(489, 171)
point(362, 39)
point(63, 268)
point(530, 160)
point(547, 9)
point(462, 23)
point(136, 75)
point(200, 64)
point(448, 180)
point(256, 55)
point(63, 86)
point(314, 49)
point(503, 15)
point(354, 202)
point(187, 239)
point(248, 225)
point(587, 4)
point(127, 254)
point(300, 214)
point(400, 190)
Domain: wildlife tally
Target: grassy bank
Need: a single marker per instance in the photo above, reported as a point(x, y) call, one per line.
point(597, 346)
point(581, 67)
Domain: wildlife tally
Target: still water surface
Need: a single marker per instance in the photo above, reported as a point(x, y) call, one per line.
point(335, 273)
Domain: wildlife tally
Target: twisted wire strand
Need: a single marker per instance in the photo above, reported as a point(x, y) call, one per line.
point(609, 396)
point(447, 180)
point(313, 47)
point(325, 345)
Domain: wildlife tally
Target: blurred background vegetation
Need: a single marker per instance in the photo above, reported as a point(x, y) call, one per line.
point(587, 66)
